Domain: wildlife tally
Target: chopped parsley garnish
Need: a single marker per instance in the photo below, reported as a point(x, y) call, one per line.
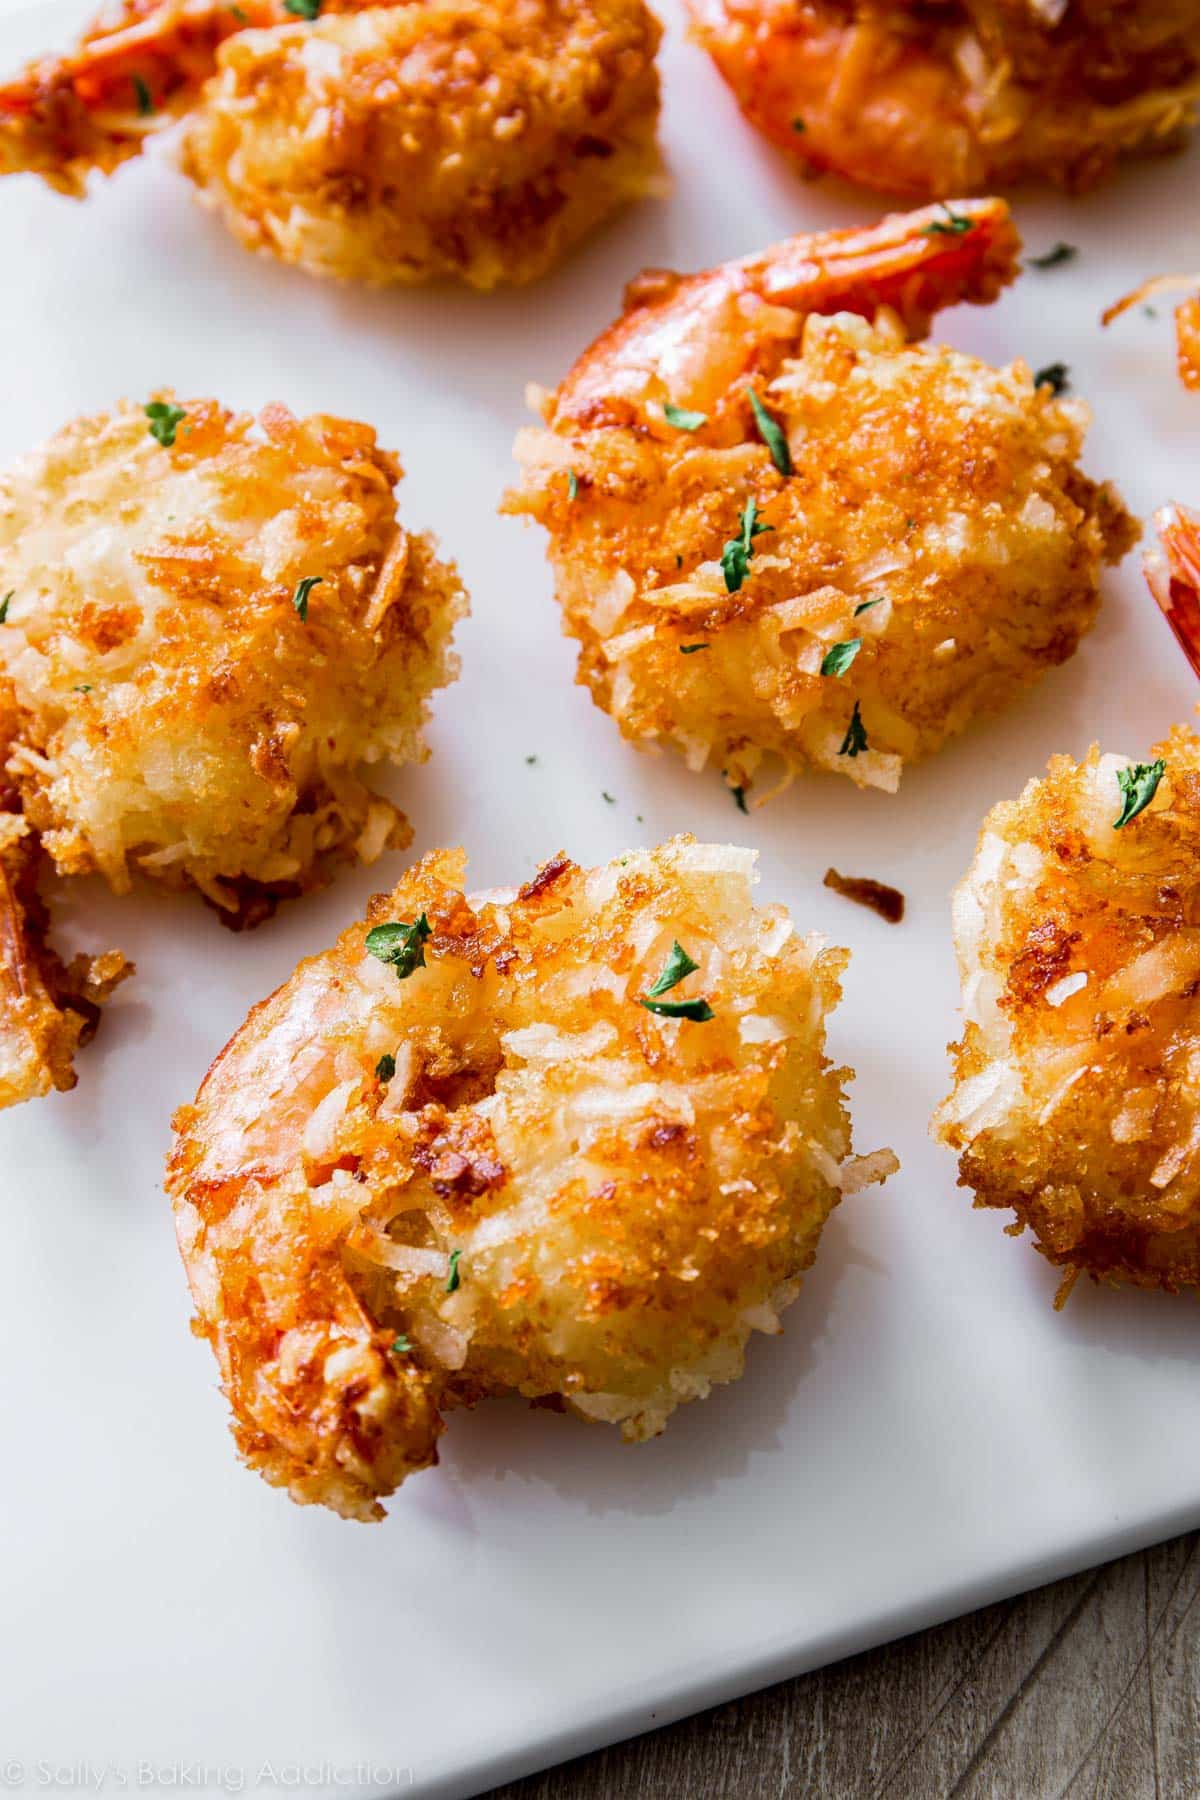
point(677, 965)
point(240, 14)
point(611, 798)
point(145, 99)
point(400, 944)
point(85, 687)
point(4, 605)
point(165, 421)
point(772, 435)
point(1056, 376)
point(304, 588)
point(677, 968)
point(402, 1345)
point(855, 739)
point(1138, 785)
point(1052, 259)
point(838, 657)
point(303, 9)
point(385, 1068)
point(799, 125)
point(682, 419)
point(739, 798)
point(530, 760)
point(953, 225)
point(691, 649)
point(735, 557)
point(572, 485)
point(454, 1279)
point(866, 605)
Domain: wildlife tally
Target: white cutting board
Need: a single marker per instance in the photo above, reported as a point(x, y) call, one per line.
point(927, 1435)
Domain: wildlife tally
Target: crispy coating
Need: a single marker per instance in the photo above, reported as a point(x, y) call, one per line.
point(47, 1008)
point(175, 714)
point(1076, 1097)
point(961, 95)
point(554, 1191)
point(934, 514)
point(380, 143)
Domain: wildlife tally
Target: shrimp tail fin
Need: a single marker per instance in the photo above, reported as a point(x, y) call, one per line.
point(1174, 576)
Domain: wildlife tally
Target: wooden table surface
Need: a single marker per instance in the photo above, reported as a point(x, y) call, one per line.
point(1089, 1687)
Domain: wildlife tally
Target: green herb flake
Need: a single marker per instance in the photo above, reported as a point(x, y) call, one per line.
point(772, 434)
point(1056, 376)
point(691, 649)
point(4, 605)
point(400, 944)
point(529, 761)
point(953, 225)
point(385, 1068)
point(678, 965)
point(304, 588)
point(85, 687)
point(855, 739)
point(165, 421)
point(611, 798)
point(739, 799)
point(145, 99)
point(866, 605)
point(1054, 259)
point(799, 125)
point(1138, 785)
point(303, 9)
point(838, 657)
point(697, 1010)
point(682, 419)
point(240, 14)
point(572, 485)
point(454, 1279)
point(735, 557)
point(402, 1345)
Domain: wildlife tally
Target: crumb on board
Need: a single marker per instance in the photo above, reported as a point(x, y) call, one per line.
point(888, 902)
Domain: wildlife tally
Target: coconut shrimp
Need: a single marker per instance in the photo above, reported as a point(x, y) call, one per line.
point(1077, 1081)
point(213, 622)
point(576, 1142)
point(386, 142)
point(48, 1008)
point(781, 531)
point(962, 95)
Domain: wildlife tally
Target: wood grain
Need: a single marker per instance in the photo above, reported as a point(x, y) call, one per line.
point(1088, 1688)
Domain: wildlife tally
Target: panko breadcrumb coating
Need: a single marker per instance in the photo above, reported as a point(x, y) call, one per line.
point(1076, 1100)
point(175, 713)
point(484, 1166)
point(961, 95)
point(780, 535)
point(380, 143)
point(47, 1008)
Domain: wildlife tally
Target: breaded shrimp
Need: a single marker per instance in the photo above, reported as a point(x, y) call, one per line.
point(778, 534)
point(1076, 1100)
point(379, 142)
point(213, 621)
point(576, 1142)
point(959, 95)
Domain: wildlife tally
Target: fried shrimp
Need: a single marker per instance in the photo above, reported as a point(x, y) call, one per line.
point(780, 534)
point(378, 142)
point(213, 622)
point(959, 95)
point(576, 1142)
point(1076, 1100)
point(47, 1008)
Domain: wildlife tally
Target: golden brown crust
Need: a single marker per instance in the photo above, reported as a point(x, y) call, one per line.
point(175, 714)
point(380, 143)
point(934, 513)
point(48, 1009)
point(1074, 1102)
point(553, 1190)
point(964, 96)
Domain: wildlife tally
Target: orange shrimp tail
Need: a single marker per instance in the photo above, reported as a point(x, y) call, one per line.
point(1174, 576)
point(703, 333)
